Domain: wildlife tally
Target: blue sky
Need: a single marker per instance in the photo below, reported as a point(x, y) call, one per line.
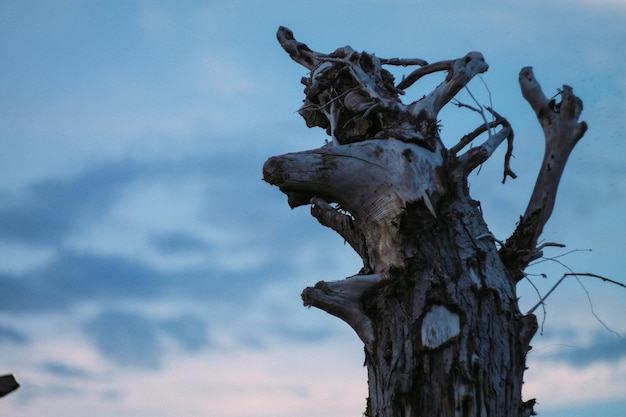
point(146, 269)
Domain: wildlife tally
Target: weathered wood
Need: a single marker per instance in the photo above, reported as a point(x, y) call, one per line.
point(373, 180)
point(8, 384)
point(343, 299)
point(562, 131)
point(435, 303)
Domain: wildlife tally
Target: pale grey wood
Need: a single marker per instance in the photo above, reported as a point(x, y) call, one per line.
point(435, 303)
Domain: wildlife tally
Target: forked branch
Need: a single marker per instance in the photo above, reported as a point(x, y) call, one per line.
point(460, 73)
point(573, 274)
point(476, 156)
point(562, 131)
point(354, 98)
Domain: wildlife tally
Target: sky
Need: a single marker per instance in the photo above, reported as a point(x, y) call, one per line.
point(147, 270)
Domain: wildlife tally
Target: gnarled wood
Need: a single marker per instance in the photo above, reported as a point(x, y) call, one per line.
point(435, 303)
point(562, 131)
point(373, 180)
point(343, 299)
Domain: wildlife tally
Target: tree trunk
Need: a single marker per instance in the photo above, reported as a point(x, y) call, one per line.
point(435, 302)
point(449, 337)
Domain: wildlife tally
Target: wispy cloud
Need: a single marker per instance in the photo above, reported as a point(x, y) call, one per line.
point(48, 211)
point(604, 348)
point(64, 370)
point(9, 334)
point(145, 266)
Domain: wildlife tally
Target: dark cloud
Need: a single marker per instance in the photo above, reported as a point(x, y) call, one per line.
point(11, 335)
point(47, 211)
point(189, 331)
point(74, 277)
point(132, 339)
point(604, 349)
point(64, 370)
point(91, 276)
point(178, 242)
point(128, 339)
point(86, 277)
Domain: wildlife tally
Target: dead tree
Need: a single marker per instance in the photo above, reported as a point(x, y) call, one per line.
point(435, 302)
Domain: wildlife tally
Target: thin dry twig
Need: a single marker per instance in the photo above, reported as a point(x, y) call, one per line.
point(575, 274)
point(543, 306)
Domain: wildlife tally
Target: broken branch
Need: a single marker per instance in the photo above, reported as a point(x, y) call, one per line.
point(460, 72)
point(562, 131)
point(343, 299)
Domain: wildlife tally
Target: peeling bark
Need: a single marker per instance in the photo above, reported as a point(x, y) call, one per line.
point(435, 303)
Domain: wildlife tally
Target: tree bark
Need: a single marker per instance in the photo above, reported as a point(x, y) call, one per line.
point(435, 303)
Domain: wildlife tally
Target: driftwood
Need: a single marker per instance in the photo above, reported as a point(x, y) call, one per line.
point(8, 384)
point(435, 301)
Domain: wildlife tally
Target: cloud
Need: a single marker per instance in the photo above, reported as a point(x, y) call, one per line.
point(188, 330)
point(560, 384)
point(118, 229)
point(73, 278)
point(9, 334)
point(64, 370)
point(126, 338)
point(49, 210)
point(602, 349)
point(129, 338)
point(178, 242)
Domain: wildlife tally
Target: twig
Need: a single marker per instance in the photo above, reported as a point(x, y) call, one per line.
point(465, 140)
point(553, 244)
point(488, 91)
point(543, 306)
point(554, 258)
point(573, 274)
point(481, 110)
point(592, 309)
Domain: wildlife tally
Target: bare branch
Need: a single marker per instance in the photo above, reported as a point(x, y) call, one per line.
point(477, 155)
point(410, 79)
point(343, 299)
point(460, 72)
point(341, 223)
point(562, 132)
point(403, 62)
point(298, 51)
point(551, 244)
point(467, 139)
